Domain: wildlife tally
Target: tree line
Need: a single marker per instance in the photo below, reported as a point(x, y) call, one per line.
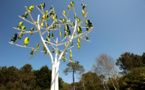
point(12, 78)
point(104, 75)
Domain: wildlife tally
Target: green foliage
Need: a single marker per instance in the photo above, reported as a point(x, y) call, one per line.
point(143, 58)
point(25, 78)
point(129, 61)
point(43, 77)
point(135, 80)
point(27, 68)
point(12, 78)
point(92, 81)
point(73, 67)
point(8, 74)
point(89, 81)
point(65, 86)
point(78, 86)
point(60, 83)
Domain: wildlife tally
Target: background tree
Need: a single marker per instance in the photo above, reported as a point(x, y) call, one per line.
point(135, 80)
point(143, 58)
point(43, 77)
point(65, 86)
point(8, 77)
point(92, 81)
point(13, 78)
point(105, 66)
point(74, 68)
point(26, 78)
point(81, 78)
point(129, 61)
point(60, 83)
point(56, 48)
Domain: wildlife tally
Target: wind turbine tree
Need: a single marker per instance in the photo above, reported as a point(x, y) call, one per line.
point(55, 47)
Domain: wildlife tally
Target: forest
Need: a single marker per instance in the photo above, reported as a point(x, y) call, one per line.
point(125, 73)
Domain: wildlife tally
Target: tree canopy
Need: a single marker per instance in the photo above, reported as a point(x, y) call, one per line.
point(129, 61)
point(26, 78)
point(135, 80)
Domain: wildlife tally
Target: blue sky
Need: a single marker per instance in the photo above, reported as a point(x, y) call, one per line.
point(119, 26)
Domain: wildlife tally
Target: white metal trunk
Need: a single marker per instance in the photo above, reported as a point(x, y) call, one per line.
point(55, 77)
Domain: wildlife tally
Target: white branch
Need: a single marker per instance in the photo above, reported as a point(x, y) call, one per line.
point(68, 13)
point(83, 19)
point(56, 51)
point(61, 43)
point(83, 33)
point(50, 43)
point(39, 10)
point(20, 45)
point(28, 32)
point(48, 28)
point(67, 45)
point(26, 20)
point(68, 60)
point(87, 32)
point(46, 19)
point(17, 28)
point(29, 14)
point(25, 32)
point(74, 11)
point(67, 37)
point(43, 41)
point(63, 39)
point(70, 47)
point(53, 39)
point(36, 50)
point(84, 39)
